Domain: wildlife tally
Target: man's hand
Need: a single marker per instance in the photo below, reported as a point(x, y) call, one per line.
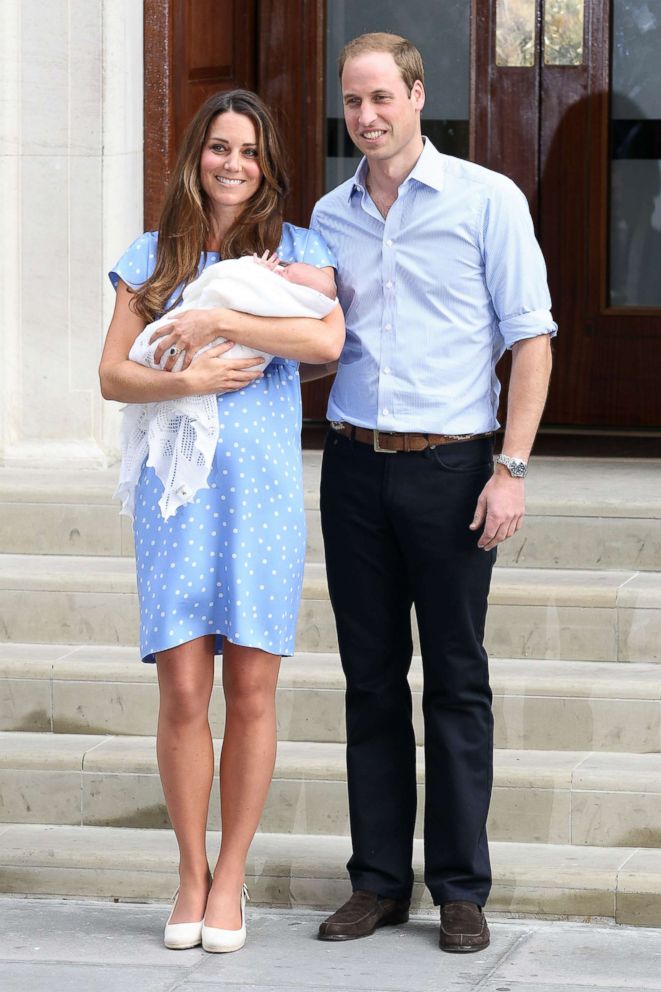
point(500, 507)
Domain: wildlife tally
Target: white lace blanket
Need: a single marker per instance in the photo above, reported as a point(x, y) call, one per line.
point(179, 437)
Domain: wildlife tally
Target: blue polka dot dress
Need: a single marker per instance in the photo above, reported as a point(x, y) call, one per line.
point(231, 562)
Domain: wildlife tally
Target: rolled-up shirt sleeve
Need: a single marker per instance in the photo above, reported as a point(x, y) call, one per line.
point(515, 272)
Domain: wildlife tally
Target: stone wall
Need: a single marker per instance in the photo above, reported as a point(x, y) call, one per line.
point(71, 200)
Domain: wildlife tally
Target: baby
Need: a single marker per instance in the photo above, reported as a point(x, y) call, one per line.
point(179, 437)
point(203, 293)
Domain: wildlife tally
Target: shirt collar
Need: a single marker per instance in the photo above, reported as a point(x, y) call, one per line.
point(428, 170)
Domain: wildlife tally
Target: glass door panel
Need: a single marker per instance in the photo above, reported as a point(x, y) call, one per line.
point(515, 32)
point(441, 31)
point(635, 168)
point(563, 32)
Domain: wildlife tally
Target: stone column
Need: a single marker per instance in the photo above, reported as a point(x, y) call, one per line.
point(71, 201)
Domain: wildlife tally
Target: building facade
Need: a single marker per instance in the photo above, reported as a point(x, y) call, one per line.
point(561, 95)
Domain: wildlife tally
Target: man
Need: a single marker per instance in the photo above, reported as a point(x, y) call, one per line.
point(438, 272)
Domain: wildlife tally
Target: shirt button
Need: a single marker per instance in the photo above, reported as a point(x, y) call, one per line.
point(389, 284)
point(386, 371)
point(385, 411)
point(388, 327)
point(389, 243)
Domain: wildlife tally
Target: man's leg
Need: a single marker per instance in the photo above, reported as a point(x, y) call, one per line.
point(458, 732)
point(372, 601)
point(435, 499)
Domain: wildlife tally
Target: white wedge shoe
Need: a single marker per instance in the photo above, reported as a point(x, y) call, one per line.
point(218, 941)
point(181, 936)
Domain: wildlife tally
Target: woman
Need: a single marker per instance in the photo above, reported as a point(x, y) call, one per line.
point(225, 572)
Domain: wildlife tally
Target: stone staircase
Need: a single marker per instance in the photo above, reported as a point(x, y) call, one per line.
point(575, 640)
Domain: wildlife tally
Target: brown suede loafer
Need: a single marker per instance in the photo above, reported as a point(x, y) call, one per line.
point(361, 915)
point(463, 928)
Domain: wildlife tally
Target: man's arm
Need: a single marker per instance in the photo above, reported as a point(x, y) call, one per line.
point(501, 505)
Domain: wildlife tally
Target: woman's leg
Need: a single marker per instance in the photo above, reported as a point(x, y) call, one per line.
point(185, 760)
point(250, 678)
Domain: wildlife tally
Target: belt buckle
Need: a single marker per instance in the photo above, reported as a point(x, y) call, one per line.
point(377, 446)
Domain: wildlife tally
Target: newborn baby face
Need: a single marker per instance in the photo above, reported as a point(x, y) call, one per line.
point(302, 274)
point(299, 273)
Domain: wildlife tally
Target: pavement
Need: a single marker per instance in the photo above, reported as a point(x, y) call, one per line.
point(55, 945)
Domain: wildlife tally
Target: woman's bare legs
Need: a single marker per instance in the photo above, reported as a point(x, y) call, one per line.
point(185, 760)
point(250, 678)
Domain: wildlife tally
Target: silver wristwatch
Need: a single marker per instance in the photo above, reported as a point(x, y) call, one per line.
point(516, 468)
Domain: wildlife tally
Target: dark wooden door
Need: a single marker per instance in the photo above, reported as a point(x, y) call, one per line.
point(551, 127)
point(193, 48)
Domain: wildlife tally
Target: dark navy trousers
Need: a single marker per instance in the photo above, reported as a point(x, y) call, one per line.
point(396, 534)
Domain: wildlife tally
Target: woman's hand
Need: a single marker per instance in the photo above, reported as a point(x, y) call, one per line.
point(211, 373)
point(188, 332)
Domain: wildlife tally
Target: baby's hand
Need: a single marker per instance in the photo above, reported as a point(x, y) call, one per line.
point(267, 260)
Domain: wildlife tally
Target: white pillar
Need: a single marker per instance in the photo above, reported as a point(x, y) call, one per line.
point(71, 168)
point(10, 228)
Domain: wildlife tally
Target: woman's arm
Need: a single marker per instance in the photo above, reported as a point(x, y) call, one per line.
point(129, 382)
point(306, 339)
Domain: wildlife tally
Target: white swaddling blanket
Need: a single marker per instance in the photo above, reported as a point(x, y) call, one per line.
point(179, 437)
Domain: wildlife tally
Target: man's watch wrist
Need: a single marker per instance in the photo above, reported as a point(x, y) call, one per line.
point(516, 467)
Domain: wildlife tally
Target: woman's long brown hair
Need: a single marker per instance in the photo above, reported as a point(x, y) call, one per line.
point(185, 228)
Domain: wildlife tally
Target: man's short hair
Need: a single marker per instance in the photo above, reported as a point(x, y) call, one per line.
point(407, 57)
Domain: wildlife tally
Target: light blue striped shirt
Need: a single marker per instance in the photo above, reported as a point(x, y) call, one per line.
point(432, 295)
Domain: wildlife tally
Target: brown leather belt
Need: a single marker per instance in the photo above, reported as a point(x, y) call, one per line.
point(391, 442)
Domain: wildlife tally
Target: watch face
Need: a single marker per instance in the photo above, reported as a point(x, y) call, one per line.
point(516, 468)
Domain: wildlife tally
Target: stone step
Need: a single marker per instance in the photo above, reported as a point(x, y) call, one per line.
point(290, 870)
point(552, 797)
point(544, 705)
point(535, 613)
point(581, 513)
